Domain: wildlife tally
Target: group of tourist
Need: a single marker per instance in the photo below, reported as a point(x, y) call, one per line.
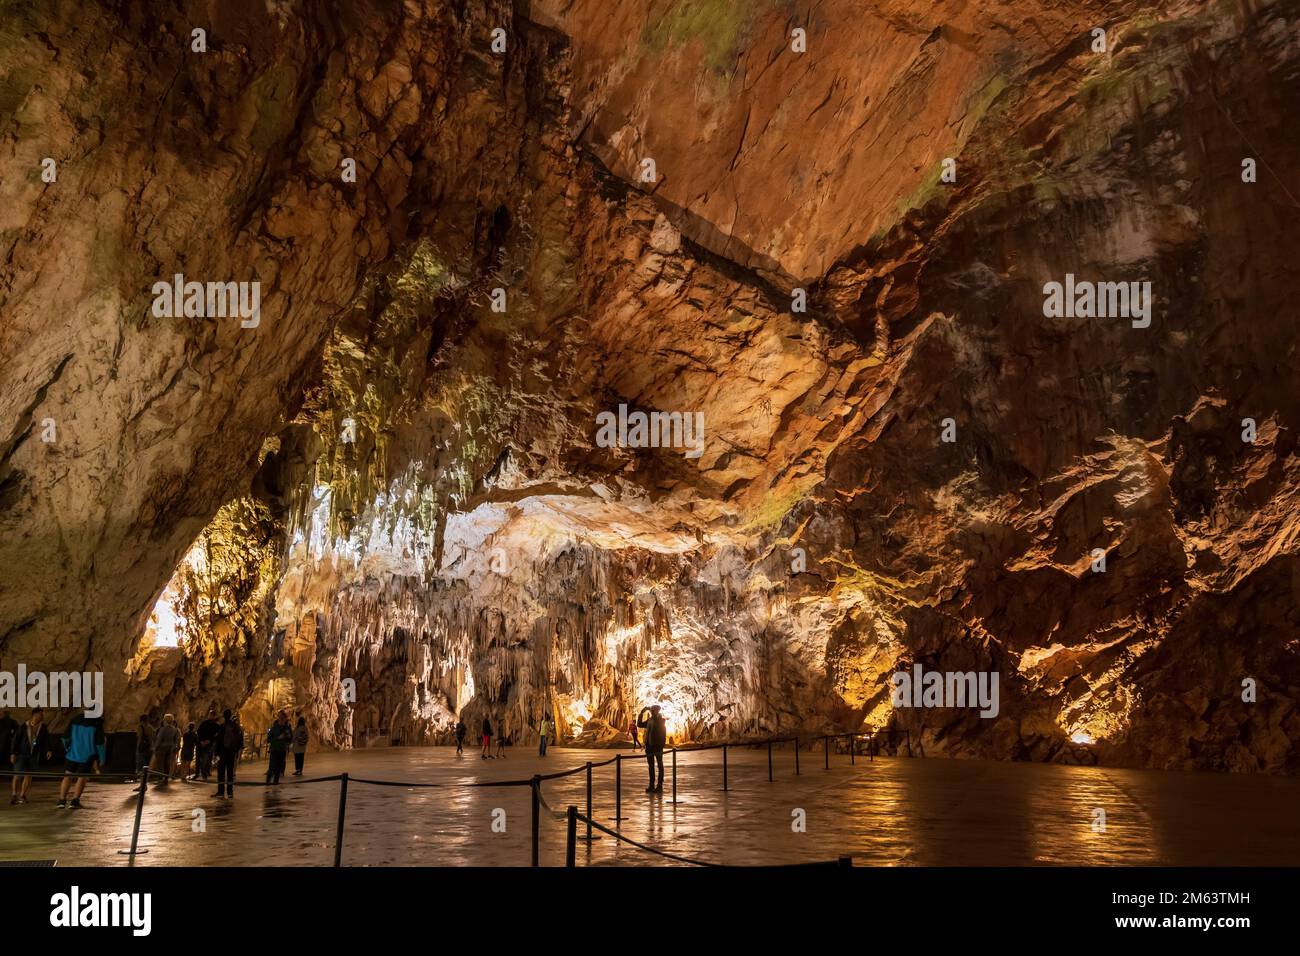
point(165, 751)
point(171, 754)
point(650, 719)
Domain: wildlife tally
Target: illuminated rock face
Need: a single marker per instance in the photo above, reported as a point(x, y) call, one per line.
point(414, 510)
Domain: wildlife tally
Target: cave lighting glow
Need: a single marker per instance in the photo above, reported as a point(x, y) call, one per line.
point(165, 625)
point(1082, 737)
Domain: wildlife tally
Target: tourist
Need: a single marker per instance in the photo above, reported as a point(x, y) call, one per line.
point(165, 744)
point(278, 738)
point(300, 737)
point(546, 732)
point(461, 730)
point(636, 742)
point(7, 727)
point(208, 731)
point(501, 739)
point(229, 743)
point(29, 744)
point(84, 750)
point(656, 737)
point(188, 741)
point(144, 735)
point(487, 739)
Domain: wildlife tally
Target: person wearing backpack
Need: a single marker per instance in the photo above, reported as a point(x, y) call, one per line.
point(84, 748)
point(278, 738)
point(230, 741)
point(487, 739)
point(656, 738)
point(461, 731)
point(300, 737)
point(207, 749)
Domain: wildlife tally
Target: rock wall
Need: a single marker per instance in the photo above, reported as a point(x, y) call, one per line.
point(416, 418)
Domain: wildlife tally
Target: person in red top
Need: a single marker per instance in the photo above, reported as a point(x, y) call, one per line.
point(636, 741)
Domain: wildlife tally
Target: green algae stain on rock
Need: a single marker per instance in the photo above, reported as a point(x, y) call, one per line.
point(718, 25)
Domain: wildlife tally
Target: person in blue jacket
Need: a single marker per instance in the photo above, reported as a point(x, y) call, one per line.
point(83, 743)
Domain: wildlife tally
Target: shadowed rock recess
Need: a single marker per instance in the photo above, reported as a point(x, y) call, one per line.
point(393, 481)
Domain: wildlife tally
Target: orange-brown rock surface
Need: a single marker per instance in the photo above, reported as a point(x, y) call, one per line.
point(396, 476)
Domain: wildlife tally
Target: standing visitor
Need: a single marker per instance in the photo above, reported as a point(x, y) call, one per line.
point(501, 738)
point(230, 741)
point(299, 745)
point(461, 730)
point(546, 732)
point(635, 740)
point(487, 739)
point(7, 727)
point(84, 750)
point(165, 744)
point(188, 742)
point(656, 737)
point(208, 731)
point(278, 739)
point(144, 735)
point(30, 742)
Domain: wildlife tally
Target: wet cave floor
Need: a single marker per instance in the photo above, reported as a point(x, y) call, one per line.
point(893, 811)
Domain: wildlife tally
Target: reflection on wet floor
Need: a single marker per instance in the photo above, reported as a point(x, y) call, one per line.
point(887, 812)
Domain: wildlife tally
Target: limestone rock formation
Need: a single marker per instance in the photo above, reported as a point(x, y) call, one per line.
point(390, 503)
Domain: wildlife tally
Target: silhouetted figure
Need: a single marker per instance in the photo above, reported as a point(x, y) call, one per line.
point(165, 744)
point(144, 735)
point(7, 727)
point(656, 738)
point(278, 738)
point(230, 741)
point(501, 739)
point(189, 740)
point(487, 739)
point(84, 750)
point(461, 731)
point(208, 731)
point(28, 746)
point(636, 741)
point(300, 737)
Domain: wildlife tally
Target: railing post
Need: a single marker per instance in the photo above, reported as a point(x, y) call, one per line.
point(588, 801)
point(674, 800)
point(724, 766)
point(571, 846)
point(796, 756)
point(139, 812)
point(826, 742)
point(343, 809)
point(853, 748)
point(769, 761)
point(618, 787)
point(537, 818)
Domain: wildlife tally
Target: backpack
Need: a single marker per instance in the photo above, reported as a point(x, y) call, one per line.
point(230, 736)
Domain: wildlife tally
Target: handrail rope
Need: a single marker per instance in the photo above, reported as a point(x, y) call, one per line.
point(642, 846)
point(248, 783)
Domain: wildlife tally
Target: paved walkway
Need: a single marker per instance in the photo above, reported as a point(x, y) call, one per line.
point(893, 811)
